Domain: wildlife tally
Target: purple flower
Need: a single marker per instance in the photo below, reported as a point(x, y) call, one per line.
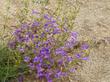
point(49, 80)
point(74, 34)
point(31, 65)
point(68, 44)
point(17, 32)
point(84, 58)
point(56, 31)
point(69, 59)
point(30, 35)
point(72, 40)
point(42, 35)
point(36, 36)
point(20, 39)
point(46, 25)
point(53, 21)
point(78, 55)
point(40, 58)
point(39, 68)
point(55, 25)
point(50, 24)
point(84, 46)
point(46, 66)
point(44, 51)
point(26, 39)
point(59, 74)
point(40, 75)
point(36, 59)
point(60, 62)
point(34, 12)
point(26, 59)
point(61, 51)
point(65, 29)
point(21, 49)
point(46, 16)
point(35, 24)
point(20, 78)
point(24, 26)
point(71, 43)
point(37, 46)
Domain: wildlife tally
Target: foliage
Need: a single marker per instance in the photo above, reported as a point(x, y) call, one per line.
point(10, 64)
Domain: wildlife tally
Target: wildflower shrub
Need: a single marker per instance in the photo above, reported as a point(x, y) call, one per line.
point(52, 52)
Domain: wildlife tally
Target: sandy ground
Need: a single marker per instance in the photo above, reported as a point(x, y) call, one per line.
point(92, 22)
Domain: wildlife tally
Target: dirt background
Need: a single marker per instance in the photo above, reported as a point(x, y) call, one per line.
point(92, 22)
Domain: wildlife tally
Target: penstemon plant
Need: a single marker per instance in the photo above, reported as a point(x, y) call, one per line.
point(50, 51)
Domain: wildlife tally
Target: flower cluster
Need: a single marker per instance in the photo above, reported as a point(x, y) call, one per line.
point(44, 50)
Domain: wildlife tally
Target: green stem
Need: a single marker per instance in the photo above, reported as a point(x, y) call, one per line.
point(7, 71)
